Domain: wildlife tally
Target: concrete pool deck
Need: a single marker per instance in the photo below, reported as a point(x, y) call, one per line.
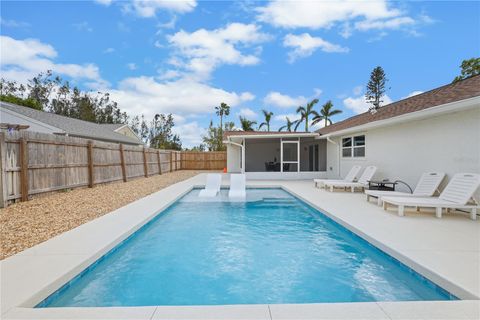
point(447, 251)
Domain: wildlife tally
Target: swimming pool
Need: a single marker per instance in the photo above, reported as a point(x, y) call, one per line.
point(272, 248)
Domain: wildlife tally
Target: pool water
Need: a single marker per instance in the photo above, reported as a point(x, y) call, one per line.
point(272, 248)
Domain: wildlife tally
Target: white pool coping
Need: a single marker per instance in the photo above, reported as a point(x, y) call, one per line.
point(447, 251)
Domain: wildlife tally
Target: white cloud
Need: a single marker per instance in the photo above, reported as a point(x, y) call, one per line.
point(413, 93)
point(13, 23)
point(131, 66)
point(394, 23)
point(190, 133)
point(248, 113)
point(277, 99)
point(304, 45)
point(360, 105)
point(83, 26)
point(20, 60)
point(201, 51)
point(282, 117)
point(109, 50)
point(149, 8)
point(346, 14)
point(183, 97)
point(104, 2)
point(358, 90)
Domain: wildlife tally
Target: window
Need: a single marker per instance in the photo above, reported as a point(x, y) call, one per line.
point(353, 147)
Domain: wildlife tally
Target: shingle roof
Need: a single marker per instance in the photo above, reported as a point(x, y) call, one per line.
point(253, 133)
point(70, 126)
point(457, 91)
point(113, 126)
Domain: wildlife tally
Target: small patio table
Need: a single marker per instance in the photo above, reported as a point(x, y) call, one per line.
point(384, 185)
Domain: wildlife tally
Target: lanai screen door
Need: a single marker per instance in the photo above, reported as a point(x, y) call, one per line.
point(290, 156)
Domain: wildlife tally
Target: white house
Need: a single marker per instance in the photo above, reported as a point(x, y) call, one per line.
point(436, 130)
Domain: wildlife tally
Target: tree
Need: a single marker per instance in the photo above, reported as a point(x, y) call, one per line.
point(305, 113)
point(213, 138)
point(161, 135)
point(469, 68)
point(376, 88)
point(326, 113)
point(289, 126)
point(268, 118)
point(246, 124)
point(222, 110)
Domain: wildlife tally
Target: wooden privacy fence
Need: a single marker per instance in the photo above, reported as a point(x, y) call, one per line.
point(34, 163)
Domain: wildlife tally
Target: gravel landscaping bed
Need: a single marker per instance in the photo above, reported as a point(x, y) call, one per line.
point(26, 224)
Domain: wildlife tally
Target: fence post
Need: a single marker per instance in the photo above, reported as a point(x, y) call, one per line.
point(145, 166)
point(3, 167)
point(171, 161)
point(90, 163)
point(24, 168)
point(159, 162)
point(122, 161)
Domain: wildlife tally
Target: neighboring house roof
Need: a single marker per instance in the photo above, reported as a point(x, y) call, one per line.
point(461, 90)
point(114, 126)
point(70, 126)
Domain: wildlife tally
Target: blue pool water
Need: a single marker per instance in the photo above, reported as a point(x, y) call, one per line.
point(272, 248)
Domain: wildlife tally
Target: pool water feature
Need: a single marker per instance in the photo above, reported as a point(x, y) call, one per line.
point(272, 248)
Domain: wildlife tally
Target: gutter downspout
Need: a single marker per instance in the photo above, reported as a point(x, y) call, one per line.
point(338, 153)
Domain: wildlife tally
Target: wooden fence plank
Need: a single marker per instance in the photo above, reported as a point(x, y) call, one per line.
point(145, 166)
point(24, 168)
point(122, 159)
point(3, 171)
point(90, 163)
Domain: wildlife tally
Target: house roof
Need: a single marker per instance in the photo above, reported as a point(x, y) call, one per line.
point(262, 134)
point(70, 126)
point(453, 92)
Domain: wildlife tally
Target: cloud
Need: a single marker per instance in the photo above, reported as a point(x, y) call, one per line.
point(345, 14)
point(190, 133)
point(83, 26)
point(109, 50)
point(394, 23)
point(10, 23)
point(305, 45)
point(248, 113)
point(360, 105)
point(131, 66)
point(104, 2)
point(358, 90)
point(277, 99)
point(184, 97)
point(149, 8)
point(20, 60)
point(202, 51)
point(411, 94)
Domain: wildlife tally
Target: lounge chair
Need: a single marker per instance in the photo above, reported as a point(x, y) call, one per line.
point(237, 186)
point(426, 187)
point(362, 183)
point(212, 187)
point(456, 195)
point(350, 177)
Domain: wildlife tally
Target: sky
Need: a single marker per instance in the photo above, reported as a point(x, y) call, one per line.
point(186, 57)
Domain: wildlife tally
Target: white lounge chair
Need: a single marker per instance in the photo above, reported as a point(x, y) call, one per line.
point(212, 187)
point(456, 195)
point(362, 182)
point(426, 187)
point(350, 177)
point(237, 186)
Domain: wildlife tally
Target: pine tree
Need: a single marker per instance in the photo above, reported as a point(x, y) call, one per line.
point(376, 88)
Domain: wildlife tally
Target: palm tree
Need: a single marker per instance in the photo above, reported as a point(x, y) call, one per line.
point(222, 110)
point(268, 117)
point(288, 127)
point(326, 113)
point(305, 113)
point(246, 124)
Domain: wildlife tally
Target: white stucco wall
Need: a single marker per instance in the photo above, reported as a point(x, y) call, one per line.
point(448, 143)
point(234, 154)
